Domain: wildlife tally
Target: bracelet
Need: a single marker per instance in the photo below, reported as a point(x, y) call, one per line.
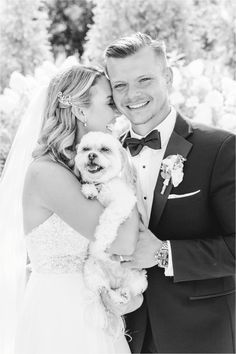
point(162, 255)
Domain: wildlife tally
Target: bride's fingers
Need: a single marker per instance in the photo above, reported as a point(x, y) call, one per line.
point(106, 299)
point(133, 304)
point(109, 304)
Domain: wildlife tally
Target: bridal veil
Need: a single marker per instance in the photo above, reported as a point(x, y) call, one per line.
point(13, 255)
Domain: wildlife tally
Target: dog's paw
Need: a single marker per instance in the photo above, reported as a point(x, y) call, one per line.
point(106, 194)
point(89, 190)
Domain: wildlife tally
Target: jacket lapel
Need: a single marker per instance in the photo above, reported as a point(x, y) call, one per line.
point(177, 145)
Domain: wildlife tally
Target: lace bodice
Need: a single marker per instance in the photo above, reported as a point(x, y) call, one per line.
point(55, 247)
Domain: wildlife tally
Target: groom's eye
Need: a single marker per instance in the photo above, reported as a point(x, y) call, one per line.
point(119, 86)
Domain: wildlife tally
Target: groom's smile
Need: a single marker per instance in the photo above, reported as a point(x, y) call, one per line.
point(138, 105)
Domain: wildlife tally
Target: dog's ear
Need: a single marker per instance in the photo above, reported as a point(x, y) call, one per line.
point(128, 171)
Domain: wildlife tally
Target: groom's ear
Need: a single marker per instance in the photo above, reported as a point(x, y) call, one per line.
point(169, 76)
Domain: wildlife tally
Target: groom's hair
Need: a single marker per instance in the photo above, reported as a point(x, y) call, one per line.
point(126, 46)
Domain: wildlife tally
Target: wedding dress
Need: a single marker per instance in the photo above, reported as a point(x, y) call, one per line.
point(55, 313)
point(59, 314)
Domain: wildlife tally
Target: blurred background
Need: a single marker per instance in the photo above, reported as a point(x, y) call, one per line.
point(37, 37)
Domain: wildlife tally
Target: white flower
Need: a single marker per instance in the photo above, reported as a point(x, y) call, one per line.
point(69, 61)
point(120, 126)
point(201, 86)
point(203, 114)
point(228, 122)
point(228, 85)
point(49, 68)
point(41, 76)
point(172, 169)
point(231, 99)
point(192, 101)
point(8, 103)
point(195, 68)
point(177, 98)
point(214, 99)
point(18, 82)
point(177, 78)
point(45, 72)
point(11, 94)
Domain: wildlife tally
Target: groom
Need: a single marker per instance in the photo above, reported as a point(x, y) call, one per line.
point(187, 243)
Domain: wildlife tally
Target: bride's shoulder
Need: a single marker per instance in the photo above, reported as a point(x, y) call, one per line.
point(45, 171)
point(46, 165)
point(50, 186)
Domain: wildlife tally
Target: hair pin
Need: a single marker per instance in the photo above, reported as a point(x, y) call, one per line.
point(66, 100)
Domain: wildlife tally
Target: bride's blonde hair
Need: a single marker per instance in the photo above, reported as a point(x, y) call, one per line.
point(60, 128)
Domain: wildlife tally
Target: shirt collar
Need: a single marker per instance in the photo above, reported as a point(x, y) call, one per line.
point(165, 128)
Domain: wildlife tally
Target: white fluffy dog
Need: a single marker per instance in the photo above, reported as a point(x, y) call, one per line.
point(105, 174)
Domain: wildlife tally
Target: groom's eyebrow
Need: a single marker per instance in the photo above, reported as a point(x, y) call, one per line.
point(137, 78)
point(145, 75)
point(117, 81)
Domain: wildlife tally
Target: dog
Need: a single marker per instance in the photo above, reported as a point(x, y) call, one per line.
point(102, 166)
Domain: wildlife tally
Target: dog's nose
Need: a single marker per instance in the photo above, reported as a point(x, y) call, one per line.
point(92, 156)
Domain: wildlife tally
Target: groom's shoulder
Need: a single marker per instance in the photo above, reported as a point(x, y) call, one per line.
point(209, 134)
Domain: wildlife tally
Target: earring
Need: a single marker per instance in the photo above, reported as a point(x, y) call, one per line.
point(85, 120)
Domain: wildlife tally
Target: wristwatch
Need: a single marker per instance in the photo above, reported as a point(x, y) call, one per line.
point(162, 255)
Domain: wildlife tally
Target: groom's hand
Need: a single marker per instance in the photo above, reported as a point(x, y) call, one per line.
point(144, 255)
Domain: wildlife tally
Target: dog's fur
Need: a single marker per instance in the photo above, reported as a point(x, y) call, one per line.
point(105, 173)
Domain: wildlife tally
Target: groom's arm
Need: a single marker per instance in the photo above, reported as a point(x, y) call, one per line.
point(205, 258)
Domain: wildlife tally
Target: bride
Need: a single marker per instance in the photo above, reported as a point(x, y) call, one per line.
point(57, 313)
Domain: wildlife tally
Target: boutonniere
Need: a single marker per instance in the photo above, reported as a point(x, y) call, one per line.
point(172, 169)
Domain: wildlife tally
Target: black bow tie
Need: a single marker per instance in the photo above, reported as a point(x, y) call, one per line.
point(152, 140)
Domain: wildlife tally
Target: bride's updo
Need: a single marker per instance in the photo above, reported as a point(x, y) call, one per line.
point(68, 91)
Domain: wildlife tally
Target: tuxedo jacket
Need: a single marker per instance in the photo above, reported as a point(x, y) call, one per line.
point(193, 312)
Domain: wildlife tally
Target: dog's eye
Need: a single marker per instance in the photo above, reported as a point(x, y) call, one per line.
point(105, 149)
point(86, 148)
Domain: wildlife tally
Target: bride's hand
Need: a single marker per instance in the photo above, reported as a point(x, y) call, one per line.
point(122, 309)
point(133, 304)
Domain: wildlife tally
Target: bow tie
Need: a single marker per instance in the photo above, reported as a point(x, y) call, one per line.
point(152, 140)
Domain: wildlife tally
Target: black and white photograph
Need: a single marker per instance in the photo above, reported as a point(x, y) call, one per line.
point(117, 176)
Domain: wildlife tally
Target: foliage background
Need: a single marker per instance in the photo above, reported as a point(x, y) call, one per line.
point(38, 37)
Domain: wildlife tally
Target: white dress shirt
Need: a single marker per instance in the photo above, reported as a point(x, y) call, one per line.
point(147, 165)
